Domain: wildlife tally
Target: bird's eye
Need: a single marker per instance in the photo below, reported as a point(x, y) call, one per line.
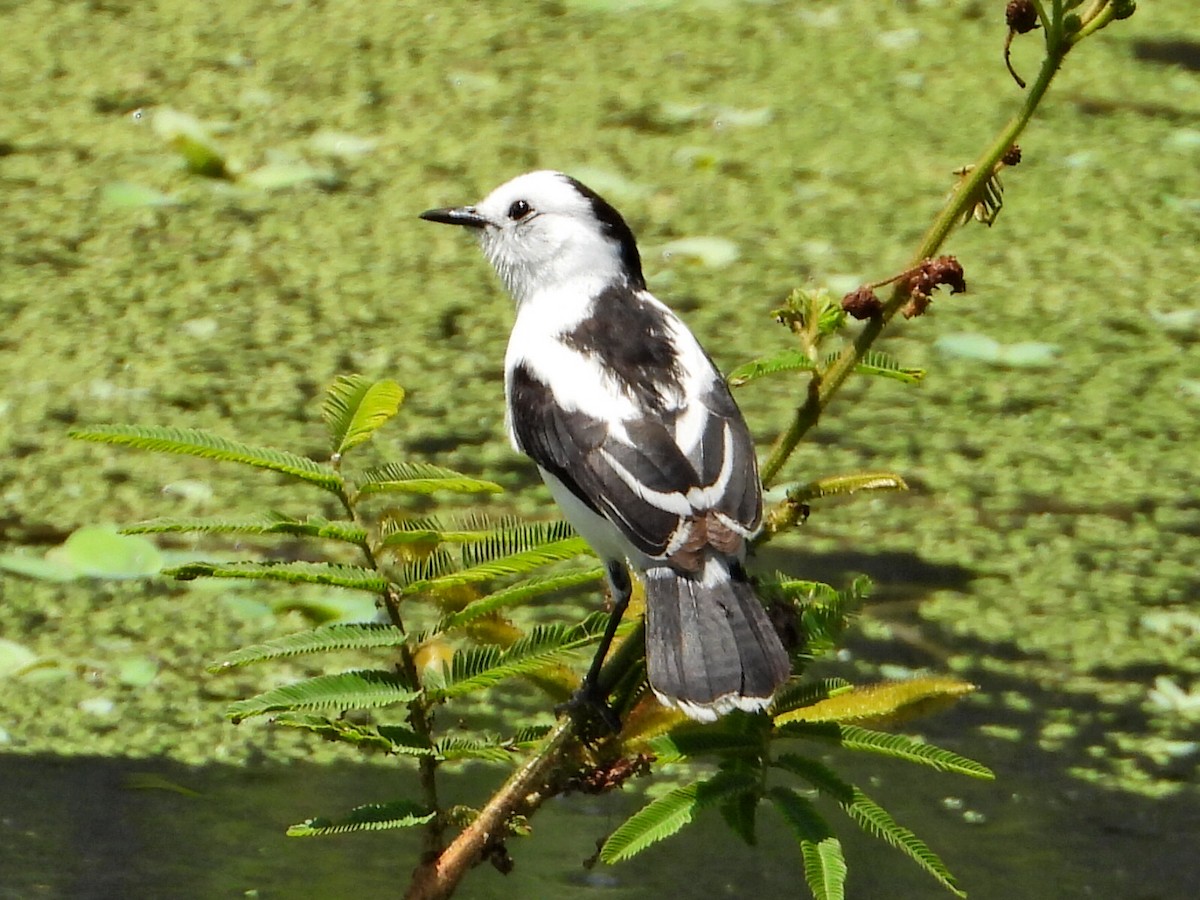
point(519, 210)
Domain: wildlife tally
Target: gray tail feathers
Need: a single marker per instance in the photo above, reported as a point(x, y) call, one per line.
point(710, 647)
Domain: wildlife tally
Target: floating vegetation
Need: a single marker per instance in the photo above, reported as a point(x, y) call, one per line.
point(705, 251)
point(1023, 355)
point(192, 139)
point(130, 195)
point(341, 144)
point(94, 551)
point(279, 176)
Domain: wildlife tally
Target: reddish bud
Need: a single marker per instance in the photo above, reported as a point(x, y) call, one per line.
point(1021, 16)
point(862, 303)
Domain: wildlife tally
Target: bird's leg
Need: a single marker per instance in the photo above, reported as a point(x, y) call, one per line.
point(590, 695)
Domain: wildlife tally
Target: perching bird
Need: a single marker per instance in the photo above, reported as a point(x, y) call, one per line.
point(637, 437)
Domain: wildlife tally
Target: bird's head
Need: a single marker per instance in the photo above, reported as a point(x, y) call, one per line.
point(544, 229)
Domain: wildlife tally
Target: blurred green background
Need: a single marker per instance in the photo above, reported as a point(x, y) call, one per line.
point(1047, 550)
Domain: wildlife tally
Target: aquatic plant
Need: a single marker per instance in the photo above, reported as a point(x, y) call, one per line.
point(451, 589)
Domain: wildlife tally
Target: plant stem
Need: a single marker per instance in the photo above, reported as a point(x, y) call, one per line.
point(825, 384)
point(420, 716)
point(524, 792)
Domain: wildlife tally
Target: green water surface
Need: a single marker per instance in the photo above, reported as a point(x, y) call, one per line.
point(1047, 550)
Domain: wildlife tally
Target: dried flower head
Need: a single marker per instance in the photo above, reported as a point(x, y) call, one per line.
point(862, 303)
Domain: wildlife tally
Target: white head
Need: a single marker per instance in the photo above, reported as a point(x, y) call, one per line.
point(543, 229)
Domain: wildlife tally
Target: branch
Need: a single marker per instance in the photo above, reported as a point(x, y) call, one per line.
point(523, 793)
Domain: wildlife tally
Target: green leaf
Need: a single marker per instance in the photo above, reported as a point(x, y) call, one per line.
point(817, 774)
point(483, 749)
point(665, 815)
point(353, 577)
point(824, 865)
point(868, 815)
point(482, 667)
point(687, 742)
point(790, 360)
point(516, 564)
point(511, 540)
point(193, 442)
point(799, 694)
point(884, 365)
point(852, 737)
point(328, 638)
point(824, 612)
point(519, 593)
point(422, 478)
point(846, 484)
point(794, 359)
point(876, 821)
point(270, 523)
point(490, 541)
point(389, 738)
point(355, 407)
point(738, 812)
point(889, 701)
point(362, 689)
point(372, 817)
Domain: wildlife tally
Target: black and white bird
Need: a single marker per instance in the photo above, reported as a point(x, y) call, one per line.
point(636, 435)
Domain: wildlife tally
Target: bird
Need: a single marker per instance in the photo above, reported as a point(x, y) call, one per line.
point(638, 438)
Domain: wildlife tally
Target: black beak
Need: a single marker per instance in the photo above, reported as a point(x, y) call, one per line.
point(463, 215)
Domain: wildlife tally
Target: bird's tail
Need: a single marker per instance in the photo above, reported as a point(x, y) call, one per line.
point(710, 647)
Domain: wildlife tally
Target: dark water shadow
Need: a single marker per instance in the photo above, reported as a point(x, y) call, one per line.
point(87, 827)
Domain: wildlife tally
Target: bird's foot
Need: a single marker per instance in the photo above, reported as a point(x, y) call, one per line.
point(589, 708)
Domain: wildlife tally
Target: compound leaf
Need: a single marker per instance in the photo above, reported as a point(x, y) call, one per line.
point(362, 689)
point(355, 407)
point(372, 817)
point(194, 442)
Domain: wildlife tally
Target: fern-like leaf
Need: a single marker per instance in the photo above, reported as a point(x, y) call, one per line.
point(824, 865)
point(689, 742)
point(482, 749)
point(327, 638)
point(884, 365)
point(362, 689)
point(816, 773)
point(665, 815)
point(518, 593)
point(852, 737)
point(739, 812)
point(373, 817)
point(271, 523)
point(422, 478)
point(354, 577)
point(824, 612)
point(869, 816)
point(355, 407)
point(516, 564)
point(793, 359)
point(790, 360)
point(193, 442)
point(847, 484)
point(482, 667)
point(486, 546)
point(800, 694)
point(388, 738)
point(876, 821)
point(887, 702)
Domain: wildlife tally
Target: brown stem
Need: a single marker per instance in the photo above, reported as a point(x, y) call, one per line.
point(524, 792)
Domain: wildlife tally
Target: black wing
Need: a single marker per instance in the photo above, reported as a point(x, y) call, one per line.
point(642, 486)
